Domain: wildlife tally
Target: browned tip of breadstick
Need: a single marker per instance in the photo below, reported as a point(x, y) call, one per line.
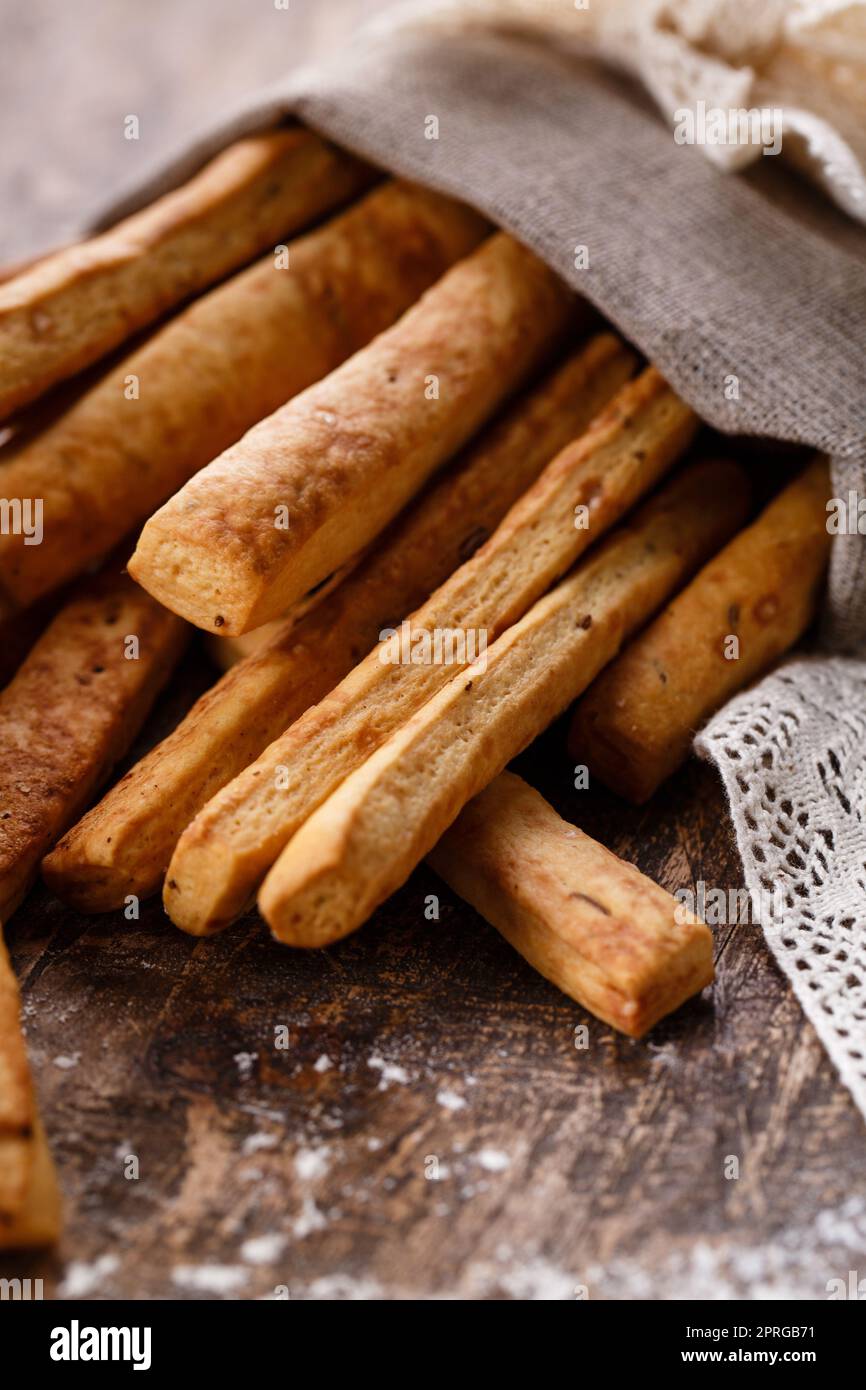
point(597, 927)
point(72, 307)
point(749, 605)
point(313, 483)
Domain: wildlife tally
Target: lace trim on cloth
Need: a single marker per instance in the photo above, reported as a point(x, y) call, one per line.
point(796, 783)
point(806, 58)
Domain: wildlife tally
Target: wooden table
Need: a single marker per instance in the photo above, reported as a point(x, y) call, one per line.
point(431, 1129)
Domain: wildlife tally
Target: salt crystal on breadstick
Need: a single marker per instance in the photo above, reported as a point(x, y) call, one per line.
point(363, 842)
point(309, 486)
point(597, 927)
point(635, 726)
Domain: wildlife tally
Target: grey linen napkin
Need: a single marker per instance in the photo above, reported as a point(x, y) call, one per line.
point(711, 275)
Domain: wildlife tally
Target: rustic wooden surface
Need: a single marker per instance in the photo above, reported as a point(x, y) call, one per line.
point(416, 1043)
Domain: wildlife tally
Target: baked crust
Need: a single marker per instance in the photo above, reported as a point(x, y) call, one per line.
point(596, 926)
point(124, 844)
point(344, 456)
point(71, 712)
point(29, 1196)
point(635, 726)
point(363, 842)
point(73, 306)
point(222, 364)
point(236, 837)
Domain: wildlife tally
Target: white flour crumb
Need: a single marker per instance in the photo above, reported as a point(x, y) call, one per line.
point(260, 1140)
point(312, 1163)
point(449, 1100)
point(252, 1175)
point(209, 1278)
point(323, 1063)
point(342, 1288)
point(494, 1160)
point(67, 1063)
point(311, 1219)
point(263, 1250)
point(245, 1062)
point(539, 1281)
point(373, 1143)
point(81, 1278)
point(390, 1072)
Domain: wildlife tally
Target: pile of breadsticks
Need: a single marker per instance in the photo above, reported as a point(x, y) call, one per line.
point(422, 501)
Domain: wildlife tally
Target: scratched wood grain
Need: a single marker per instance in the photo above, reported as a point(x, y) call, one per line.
point(430, 1129)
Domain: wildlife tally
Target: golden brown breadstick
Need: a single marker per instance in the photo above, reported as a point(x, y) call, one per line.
point(29, 1196)
point(38, 1220)
point(364, 841)
point(337, 462)
point(17, 1103)
point(597, 927)
point(73, 306)
point(751, 603)
point(72, 711)
point(226, 361)
point(124, 845)
point(233, 841)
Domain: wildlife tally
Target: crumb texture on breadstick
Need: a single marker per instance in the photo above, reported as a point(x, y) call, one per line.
point(752, 602)
point(363, 842)
point(226, 361)
point(594, 925)
point(343, 457)
point(235, 839)
point(71, 712)
point(125, 843)
point(71, 307)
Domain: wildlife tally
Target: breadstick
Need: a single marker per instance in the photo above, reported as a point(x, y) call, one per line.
point(124, 845)
point(73, 306)
point(222, 364)
point(232, 843)
point(363, 842)
point(29, 1196)
point(38, 1221)
point(72, 711)
point(339, 461)
point(635, 726)
point(17, 1103)
point(597, 927)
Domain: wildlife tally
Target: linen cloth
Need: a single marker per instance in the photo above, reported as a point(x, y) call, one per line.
point(713, 275)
